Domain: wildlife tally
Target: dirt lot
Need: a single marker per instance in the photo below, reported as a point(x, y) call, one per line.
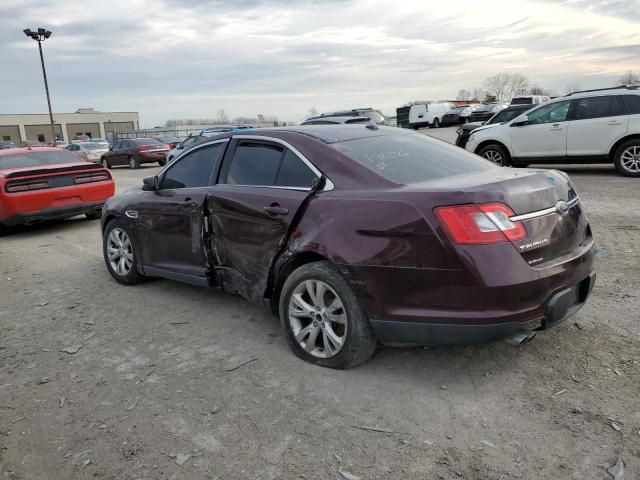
point(157, 387)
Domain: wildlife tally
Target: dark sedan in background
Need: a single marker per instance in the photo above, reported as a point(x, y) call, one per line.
point(458, 115)
point(486, 111)
point(506, 115)
point(359, 234)
point(134, 152)
point(171, 141)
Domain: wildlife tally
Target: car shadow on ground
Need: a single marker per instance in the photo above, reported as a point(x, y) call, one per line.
point(49, 227)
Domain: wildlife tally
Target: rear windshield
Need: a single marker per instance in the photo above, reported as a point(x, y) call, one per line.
point(522, 101)
point(95, 145)
point(145, 141)
point(35, 158)
point(169, 139)
point(411, 158)
point(458, 109)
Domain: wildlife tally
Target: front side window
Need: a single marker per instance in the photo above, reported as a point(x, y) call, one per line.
point(551, 113)
point(194, 169)
point(598, 107)
point(254, 164)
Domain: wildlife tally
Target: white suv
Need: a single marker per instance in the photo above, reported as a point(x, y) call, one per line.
point(595, 126)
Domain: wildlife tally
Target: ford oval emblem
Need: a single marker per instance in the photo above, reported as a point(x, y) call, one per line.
point(562, 207)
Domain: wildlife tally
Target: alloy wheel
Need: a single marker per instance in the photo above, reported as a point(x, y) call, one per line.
point(120, 251)
point(318, 318)
point(493, 156)
point(630, 159)
point(132, 162)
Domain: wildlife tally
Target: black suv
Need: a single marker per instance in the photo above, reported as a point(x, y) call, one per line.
point(509, 113)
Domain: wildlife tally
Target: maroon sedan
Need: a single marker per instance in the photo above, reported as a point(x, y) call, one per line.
point(359, 234)
point(134, 152)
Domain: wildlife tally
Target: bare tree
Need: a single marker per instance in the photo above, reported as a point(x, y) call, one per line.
point(463, 94)
point(571, 88)
point(630, 78)
point(537, 90)
point(504, 86)
point(478, 93)
point(313, 112)
point(222, 116)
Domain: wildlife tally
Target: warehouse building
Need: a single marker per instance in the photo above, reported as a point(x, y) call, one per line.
point(84, 121)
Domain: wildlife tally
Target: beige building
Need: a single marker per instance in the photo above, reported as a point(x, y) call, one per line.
point(84, 121)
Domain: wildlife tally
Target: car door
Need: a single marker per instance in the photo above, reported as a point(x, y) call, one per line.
point(115, 157)
point(595, 125)
point(262, 186)
point(170, 220)
point(544, 136)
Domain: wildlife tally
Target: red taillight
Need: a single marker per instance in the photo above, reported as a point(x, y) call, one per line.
point(91, 177)
point(144, 148)
point(480, 224)
point(14, 187)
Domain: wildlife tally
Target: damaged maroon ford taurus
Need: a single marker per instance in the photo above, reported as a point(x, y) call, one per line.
point(359, 234)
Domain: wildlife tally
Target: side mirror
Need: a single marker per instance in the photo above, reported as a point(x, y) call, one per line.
point(519, 121)
point(151, 183)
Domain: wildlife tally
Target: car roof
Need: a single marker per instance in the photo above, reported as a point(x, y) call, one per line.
point(339, 118)
point(325, 133)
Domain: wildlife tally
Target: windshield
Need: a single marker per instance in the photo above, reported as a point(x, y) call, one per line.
point(507, 115)
point(486, 108)
point(411, 158)
point(522, 101)
point(35, 158)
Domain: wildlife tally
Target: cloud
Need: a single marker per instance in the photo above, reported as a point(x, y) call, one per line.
point(175, 59)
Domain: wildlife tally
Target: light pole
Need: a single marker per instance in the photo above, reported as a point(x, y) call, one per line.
point(40, 36)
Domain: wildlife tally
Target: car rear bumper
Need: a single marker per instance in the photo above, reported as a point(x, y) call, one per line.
point(56, 213)
point(557, 308)
point(153, 157)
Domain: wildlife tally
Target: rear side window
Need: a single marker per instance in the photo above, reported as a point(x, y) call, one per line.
point(632, 102)
point(411, 158)
point(194, 169)
point(254, 164)
point(597, 107)
point(294, 173)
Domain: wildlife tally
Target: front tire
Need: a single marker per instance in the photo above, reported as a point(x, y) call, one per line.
point(105, 163)
point(627, 158)
point(119, 253)
point(436, 123)
point(323, 319)
point(495, 153)
point(133, 162)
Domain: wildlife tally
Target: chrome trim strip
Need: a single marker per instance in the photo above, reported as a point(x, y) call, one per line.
point(328, 184)
point(541, 213)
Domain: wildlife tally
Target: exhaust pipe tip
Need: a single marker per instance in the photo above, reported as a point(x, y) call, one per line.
point(520, 337)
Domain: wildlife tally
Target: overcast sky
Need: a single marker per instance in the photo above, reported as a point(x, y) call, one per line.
point(187, 59)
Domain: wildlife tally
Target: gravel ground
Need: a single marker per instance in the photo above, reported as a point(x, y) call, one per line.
point(98, 380)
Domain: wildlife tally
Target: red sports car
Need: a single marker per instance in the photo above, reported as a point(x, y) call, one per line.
point(49, 183)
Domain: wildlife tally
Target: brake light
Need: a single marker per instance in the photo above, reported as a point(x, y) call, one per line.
point(91, 177)
point(26, 186)
point(144, 148)
point(480, 224)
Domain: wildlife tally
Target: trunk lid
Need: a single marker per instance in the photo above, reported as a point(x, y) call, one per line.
point(543, 200)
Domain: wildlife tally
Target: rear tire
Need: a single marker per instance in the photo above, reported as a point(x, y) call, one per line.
point(328, 314)
point(105, 163)
point(95, 215)
point(436, 123)
point(627, 158)
point(495, 153)
point(133, 162)
point(162, 163)
point(4, 230)
point(117, 242)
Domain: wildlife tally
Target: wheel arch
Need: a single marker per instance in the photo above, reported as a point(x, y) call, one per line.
point(282, 267)
point(483, 144)
point(626, 138)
